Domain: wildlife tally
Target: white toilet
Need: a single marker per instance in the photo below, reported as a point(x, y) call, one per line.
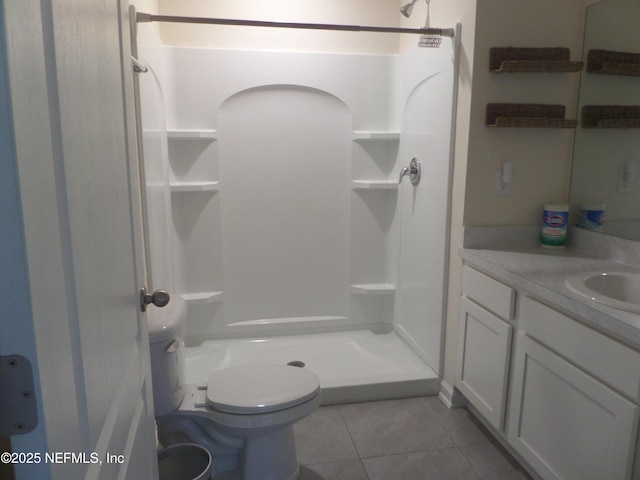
point(244, 415)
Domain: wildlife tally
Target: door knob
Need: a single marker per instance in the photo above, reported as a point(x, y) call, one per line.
point(413, 170)
point(159, 298)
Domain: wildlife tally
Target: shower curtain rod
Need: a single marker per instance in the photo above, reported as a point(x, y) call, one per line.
point(147, 17)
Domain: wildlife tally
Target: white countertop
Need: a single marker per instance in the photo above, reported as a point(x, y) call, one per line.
point(542, 273)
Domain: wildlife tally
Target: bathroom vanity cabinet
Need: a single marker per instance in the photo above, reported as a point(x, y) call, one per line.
point(561, 394)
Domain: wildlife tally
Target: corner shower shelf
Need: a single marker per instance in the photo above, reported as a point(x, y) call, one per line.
point(527, 115)
point(374, 185)
point(372, 289)
point(191, 134)
point(611, 116)
point(609, 62)
point(375, 135)
point(194, 187)
point(202, 298)
point(532, 60)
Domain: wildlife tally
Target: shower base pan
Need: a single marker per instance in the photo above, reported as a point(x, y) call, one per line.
point(353, 366)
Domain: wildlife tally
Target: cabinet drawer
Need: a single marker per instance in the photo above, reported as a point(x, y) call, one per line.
point(488, 292)
point(606, 359)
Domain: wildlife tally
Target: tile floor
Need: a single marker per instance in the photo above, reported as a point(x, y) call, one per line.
point(406, 439)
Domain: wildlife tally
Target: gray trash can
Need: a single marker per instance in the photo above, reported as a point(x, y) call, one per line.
point(185, 461)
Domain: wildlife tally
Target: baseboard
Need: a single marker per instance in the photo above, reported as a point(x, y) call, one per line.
point(451, 397)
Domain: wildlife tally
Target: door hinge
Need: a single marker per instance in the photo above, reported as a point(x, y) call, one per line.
point(17, 396)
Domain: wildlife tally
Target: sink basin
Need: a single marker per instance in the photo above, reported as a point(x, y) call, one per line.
point(615, 289)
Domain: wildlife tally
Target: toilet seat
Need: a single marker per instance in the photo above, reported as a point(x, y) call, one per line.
point(253, 389)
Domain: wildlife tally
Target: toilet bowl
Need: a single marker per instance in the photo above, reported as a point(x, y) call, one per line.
point(244, 415)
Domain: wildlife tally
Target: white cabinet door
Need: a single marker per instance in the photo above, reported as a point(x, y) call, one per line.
point(484, 345)
point(566, 424)
point(71, 103)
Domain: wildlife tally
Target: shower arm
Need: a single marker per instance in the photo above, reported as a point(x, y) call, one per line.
point(147, 17)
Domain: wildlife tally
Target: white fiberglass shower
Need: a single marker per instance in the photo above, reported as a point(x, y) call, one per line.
point(275, 209)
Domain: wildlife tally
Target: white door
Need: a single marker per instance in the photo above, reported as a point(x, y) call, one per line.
point(70, 84)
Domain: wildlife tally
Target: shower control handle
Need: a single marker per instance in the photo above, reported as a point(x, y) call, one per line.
point(414, 170)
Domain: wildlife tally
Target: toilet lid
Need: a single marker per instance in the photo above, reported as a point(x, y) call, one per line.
point(246, 389)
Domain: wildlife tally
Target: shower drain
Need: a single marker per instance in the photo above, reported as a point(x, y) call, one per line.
point(296, 363)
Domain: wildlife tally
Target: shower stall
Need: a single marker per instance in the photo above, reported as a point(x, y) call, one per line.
point(276, 209)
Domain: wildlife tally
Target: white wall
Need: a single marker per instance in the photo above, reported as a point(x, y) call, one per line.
point(541, 158)
point(148, 33)
point(355, 12)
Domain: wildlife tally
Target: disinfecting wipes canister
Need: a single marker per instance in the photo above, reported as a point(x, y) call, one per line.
point(554, 226)
point(592, 217)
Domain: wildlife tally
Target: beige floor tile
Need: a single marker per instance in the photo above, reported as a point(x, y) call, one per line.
point(344, 470)
point(493, 462)
point(415, 438)
point(395, 426)
point(323, 437)
point(440, 464)
point(459, 423)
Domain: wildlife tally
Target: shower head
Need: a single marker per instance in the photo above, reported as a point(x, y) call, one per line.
point(406, 9)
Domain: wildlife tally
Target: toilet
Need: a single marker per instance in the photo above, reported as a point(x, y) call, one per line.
point(244, 415)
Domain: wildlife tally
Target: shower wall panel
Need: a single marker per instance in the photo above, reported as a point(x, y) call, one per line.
point(288, 216)
point(424, 209)
point(285, 218)
point(203, 79)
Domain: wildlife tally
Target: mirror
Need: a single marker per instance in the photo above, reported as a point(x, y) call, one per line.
point(606, 157)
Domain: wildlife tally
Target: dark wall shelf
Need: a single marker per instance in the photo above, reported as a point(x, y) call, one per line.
point(611, 116)
point(610, 62)
point(527, 115)
point(532, 60)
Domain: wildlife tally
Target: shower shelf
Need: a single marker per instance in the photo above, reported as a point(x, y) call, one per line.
point(372, 288)
point(374, 185)
point(375, 135)
point(191, 134)
point(179, 187)
point(202, 298)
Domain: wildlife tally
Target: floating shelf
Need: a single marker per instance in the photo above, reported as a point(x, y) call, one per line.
point(527, 115)
point(610, 116)
point(202, 298)
point(609, 62)
point(195, 187)
point(190, 134)
point(532, 60)
point(375, 135)
point(374, 185)
point(372, 289)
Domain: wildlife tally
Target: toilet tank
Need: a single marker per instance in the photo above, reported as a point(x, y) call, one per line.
point(166, 342)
